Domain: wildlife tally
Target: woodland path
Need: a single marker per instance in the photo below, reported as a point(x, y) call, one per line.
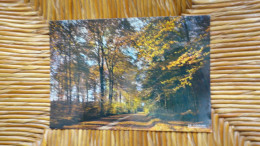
point(138, 121)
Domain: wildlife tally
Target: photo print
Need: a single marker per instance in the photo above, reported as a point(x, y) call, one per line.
point(148, 74)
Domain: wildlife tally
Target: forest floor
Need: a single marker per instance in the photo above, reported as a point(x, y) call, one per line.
point(138, 121)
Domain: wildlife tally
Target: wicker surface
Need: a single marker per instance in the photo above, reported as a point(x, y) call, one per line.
point(82, 9)
point(235, 76)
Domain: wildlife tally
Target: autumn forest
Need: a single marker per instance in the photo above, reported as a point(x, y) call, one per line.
point(131, 74)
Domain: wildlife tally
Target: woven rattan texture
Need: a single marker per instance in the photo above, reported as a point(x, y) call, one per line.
point(235, 76)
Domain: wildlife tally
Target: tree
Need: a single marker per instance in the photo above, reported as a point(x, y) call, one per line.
point(173, 54)
point(61, 44)
point(116, 38)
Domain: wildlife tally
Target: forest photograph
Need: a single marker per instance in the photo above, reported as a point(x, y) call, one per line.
point(131, 74)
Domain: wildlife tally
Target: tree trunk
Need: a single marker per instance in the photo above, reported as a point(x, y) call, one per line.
point(87, 88)
point(111, 87)
point(102, 76)
point(95, 92)
point(102, 89)
point(70, 86)
point(66, 79)
point(87, 94)
point(78, 90)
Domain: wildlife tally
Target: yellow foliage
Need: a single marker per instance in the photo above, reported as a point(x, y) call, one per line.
point(153, 41)
point(187, 58)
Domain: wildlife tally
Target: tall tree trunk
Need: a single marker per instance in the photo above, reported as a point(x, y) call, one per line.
point(111, 86)
point(110, 92)
point(102, 89)
point(78, 90)
point(83, 105)
point(110, 96)
point(102, 76)
point(83, 97)
point(95, 92)
point(66, 79)
point(87, 88)
point(70, 85)
point(60, 96)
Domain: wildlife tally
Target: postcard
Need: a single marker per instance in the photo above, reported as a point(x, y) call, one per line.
point(148, 74)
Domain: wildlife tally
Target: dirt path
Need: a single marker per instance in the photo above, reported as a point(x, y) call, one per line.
point(138, 121)
point(110, 125)
point(115, 122)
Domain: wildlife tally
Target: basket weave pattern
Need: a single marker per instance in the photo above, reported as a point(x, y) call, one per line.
point(235, 76)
